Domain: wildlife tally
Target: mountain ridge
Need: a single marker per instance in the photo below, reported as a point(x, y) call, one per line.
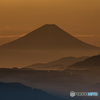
point(91, 62)
point(59, 64)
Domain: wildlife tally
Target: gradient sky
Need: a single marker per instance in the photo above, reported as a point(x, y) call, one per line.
point(80, 18)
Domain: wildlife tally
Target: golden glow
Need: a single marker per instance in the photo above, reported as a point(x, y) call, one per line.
point(78, 17)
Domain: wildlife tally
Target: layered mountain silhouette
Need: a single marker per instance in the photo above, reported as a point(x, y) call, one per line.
point(59, 64)
point(49, 37)
point(43, 45)
point(17, 91)
point(91, 62)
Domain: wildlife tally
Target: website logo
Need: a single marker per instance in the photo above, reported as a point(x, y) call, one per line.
point(73, 94)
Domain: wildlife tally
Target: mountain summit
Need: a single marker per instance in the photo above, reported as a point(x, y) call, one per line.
point(43, 45)
point(49, 37)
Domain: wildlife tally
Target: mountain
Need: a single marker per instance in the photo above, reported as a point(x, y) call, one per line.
point(43, 45)
point(91, 62)
point(17, 91)
point(59, 64)
point(49, 37)
point(67, 60)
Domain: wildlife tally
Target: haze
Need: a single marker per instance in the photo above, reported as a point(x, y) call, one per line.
point(80, 18)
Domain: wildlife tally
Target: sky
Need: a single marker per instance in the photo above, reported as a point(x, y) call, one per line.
point(80, 18)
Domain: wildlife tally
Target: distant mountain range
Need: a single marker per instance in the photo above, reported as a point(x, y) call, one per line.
point(17, 91)
point(60, 64)
point(43, 45)
point(91, 62)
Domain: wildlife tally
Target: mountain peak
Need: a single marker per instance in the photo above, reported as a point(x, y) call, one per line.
point(49, 42)
point(50, 26)
point(49, 36)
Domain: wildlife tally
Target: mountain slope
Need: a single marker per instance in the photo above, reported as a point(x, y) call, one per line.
point(17, 91)
point(48, 37)
point(91, 62)
point(67, 60)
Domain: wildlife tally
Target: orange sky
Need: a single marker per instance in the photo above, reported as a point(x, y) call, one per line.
point(80, 18)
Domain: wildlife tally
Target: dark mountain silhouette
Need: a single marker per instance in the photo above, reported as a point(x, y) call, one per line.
point(17, 91)
point(91, 62)
point(48, 36)
point(60, 64)
point(43, 45)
